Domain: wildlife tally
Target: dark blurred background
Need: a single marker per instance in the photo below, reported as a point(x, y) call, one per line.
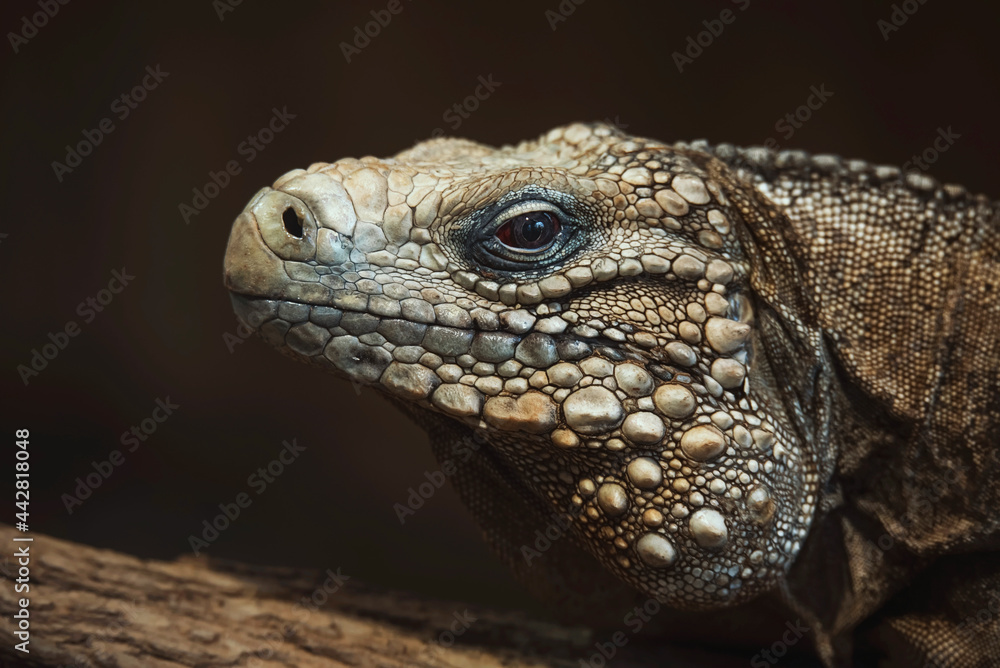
point(891, 89)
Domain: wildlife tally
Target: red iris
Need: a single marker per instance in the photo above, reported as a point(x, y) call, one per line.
point(529, 231)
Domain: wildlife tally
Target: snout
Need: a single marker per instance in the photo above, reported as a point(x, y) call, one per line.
point(286, 239)
point(273, 228)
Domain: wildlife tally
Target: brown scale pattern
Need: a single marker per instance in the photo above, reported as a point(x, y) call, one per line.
point(693, 391)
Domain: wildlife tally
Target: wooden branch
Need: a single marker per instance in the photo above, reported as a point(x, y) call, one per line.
point(91, 607)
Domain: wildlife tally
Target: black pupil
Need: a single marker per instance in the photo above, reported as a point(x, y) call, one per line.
point(529, 231)
point(533, 230)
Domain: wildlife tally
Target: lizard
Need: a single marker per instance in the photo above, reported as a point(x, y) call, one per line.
point(757, 389)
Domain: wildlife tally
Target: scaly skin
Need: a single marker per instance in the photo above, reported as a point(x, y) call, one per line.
point(691, 375)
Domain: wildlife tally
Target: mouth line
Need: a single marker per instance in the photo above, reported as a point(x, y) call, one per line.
point(609, 347)
point(250, 297)
point(290, 333)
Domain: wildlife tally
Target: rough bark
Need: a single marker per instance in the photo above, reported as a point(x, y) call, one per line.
point(91, 607)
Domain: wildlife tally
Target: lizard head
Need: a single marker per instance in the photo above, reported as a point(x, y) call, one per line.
point(582, 301)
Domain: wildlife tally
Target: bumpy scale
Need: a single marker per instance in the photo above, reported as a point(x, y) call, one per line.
point(610, 314)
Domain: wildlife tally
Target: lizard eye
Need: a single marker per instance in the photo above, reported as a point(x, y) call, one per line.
point(538, 229)
point(533, 231)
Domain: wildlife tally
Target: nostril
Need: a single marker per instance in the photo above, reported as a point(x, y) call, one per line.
point(286, 226)
point(292, 222)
